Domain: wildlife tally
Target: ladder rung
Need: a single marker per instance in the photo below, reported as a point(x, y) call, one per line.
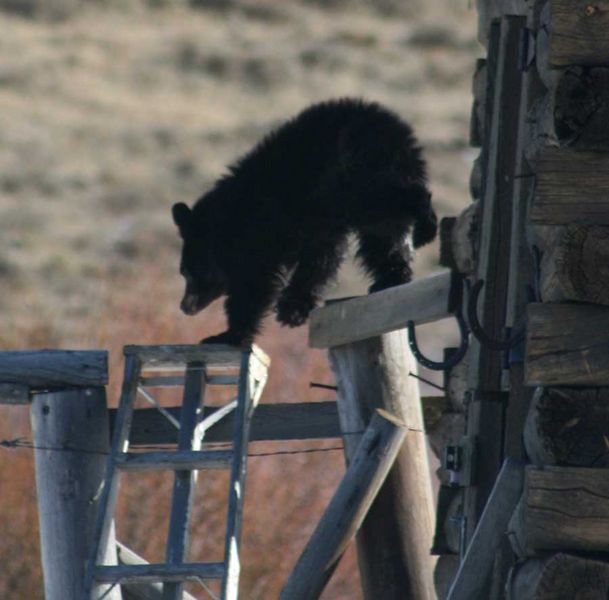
point(181, 460)
point(158, 573)
point(163, 381)
point(178, 380)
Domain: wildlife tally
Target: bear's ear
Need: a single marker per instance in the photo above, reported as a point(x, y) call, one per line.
point(181, 217)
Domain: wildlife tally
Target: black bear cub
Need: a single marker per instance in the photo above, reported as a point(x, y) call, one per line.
point(273, 230)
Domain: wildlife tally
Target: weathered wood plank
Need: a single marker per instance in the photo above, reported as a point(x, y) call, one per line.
point(304, 420)
point(457, 236)
point(14, 393)
point(578, 33)
point(571, 187)
point(574, 264)
point(422, 301)
point(54, 369)
point(567, 345)
point(560, 577)
point(504, 109)
point(271, 422)
point(568, 427)
point(393, 543)
point(470, 581)
point(575, 111)
point(345, 513)
point(67, 485)
point(172, 356)
point(563, 508)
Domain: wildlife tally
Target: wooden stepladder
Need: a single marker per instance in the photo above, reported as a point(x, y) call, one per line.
point(198, 365)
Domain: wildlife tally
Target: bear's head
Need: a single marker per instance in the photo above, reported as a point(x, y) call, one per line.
point(205, 280)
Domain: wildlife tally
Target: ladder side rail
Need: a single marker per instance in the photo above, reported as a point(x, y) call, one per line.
point(109, 491)
point(245, 407)
point(185, 480)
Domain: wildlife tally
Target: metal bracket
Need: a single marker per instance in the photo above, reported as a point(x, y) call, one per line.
point(458, 460)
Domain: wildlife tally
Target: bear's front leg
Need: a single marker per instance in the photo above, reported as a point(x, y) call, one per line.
point(246, 304)
point(317, 264)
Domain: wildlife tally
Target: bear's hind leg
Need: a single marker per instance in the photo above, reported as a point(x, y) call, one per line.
point(385, 255)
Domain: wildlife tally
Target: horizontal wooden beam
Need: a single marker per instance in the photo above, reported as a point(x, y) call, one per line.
point(559, 577)
point(574, 264)
point(422, 301)
point(53, 369)
point(297, 421)
point(172, 356)
point(14, 393)
point(571, 187)
point(578, 33)
point(568, 426)
point(562, 508)
point(567, 344)
point(271, 422)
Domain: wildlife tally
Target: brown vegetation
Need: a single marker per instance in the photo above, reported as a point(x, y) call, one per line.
point(110, 114)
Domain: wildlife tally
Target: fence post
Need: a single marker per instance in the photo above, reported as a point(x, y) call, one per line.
point(395, 539)
point(70, 433)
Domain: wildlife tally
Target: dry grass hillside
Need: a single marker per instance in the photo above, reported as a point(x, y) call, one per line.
point(110, 112)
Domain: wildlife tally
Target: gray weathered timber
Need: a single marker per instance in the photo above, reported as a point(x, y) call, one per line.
point(578, 33)
point(504, 107)
point(559, 577)
point(54, 369)
point(571, 187)
point(14, 393)
point(394, 541)
point(298, 421)
point(167, 357)
point(180, 460)
point(422, 301)
point(575, 111)
point(563, 508)
point(270, 422)
point(574, 264)
point(492, 10)
point(478, 561)
point(368, 469)
point(567, 345)
point(67, 482)
point(568, 427)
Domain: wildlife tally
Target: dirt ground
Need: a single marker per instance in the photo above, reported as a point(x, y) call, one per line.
point(109, 113)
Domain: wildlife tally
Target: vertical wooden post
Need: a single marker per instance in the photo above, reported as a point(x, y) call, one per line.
point(70, 432)
point(395, 539)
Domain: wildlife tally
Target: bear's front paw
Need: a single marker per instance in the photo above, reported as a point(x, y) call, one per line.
point(294, 310)
point(229, 338)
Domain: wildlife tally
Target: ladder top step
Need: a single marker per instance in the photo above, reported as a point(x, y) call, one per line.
point(158, 573)
point(181, 460)
point(178, 355)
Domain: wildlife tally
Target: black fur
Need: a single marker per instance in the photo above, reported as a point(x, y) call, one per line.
point(284, 211)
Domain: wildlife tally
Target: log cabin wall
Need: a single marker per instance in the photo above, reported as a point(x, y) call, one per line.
point(537, 236)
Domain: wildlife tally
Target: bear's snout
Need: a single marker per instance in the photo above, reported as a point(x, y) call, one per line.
point(190, 304)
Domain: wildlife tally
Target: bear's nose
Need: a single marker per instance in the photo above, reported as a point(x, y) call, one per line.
point(189, 304)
